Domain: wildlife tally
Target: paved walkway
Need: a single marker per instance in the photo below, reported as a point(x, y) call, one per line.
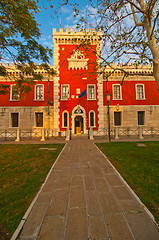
point(85, 199)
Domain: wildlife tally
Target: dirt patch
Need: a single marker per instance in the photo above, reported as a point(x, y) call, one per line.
point(4, 233)
point(141, 145)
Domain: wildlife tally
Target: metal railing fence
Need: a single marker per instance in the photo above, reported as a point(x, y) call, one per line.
point(121, 132)
point(21, 134)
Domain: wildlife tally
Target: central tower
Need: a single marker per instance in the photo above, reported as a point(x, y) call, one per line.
point(78, 88)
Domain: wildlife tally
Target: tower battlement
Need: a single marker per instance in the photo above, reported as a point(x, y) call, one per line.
point(75, 36)
point(75, 31)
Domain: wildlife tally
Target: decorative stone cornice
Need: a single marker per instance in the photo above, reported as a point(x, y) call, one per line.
point(77, 60)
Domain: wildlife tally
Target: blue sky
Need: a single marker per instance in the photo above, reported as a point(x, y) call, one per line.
point(63, 19)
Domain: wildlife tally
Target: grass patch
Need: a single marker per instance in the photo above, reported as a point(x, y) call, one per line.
point(23, 168)
point(139, 166)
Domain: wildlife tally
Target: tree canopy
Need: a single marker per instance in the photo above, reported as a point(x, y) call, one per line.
point(19, 34)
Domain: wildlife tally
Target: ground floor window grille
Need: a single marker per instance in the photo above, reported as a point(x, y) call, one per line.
point(141, 117)
point(14, 119)
point(39, 119)
point(117, 118)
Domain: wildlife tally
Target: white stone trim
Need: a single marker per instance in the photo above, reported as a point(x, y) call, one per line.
point(56, 87)
point(100, 101)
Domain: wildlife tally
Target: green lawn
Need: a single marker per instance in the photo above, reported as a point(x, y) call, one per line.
point(139, 166)
point(23, 168)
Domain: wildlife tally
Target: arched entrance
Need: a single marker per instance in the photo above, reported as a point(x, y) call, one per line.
point(78, 120)
point(78, 124)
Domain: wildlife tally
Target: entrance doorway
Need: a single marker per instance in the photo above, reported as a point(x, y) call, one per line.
point(78, 125)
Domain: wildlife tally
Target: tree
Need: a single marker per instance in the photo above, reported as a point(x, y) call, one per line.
point(130, 29)
point(19, 34)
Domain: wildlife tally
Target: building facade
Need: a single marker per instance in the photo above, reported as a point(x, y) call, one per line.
point(75, 98)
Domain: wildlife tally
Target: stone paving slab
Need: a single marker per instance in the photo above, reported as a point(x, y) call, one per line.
point(118, 227)
point(58, 205)
point(76, 224)
point(141, 226)
point(84, 198)
point(97, 228)
point(52, 228)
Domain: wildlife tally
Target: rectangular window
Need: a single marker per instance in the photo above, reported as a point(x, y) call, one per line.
point(39, 119)
point(91, 92)
point(64, 92)
point(117, 118)
point(14, 119)
point(140, 93)
point(14, 94)
point(116, 92)
point(141, 117)
point(39, 92)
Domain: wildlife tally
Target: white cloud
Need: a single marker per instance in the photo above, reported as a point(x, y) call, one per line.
point(88, 13)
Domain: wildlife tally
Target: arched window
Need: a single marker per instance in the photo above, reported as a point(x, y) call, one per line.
point(65, 119)
point(91, 119)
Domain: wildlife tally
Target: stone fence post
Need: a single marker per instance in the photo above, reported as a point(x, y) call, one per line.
point(91, 133)
point(67, 134)
point(116, 133)
point(43, 135)
point(140, 133)
point(18, 135)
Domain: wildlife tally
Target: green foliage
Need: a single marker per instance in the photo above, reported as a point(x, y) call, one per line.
point(19, 33)
point(4, 89)
point(3, 71)
point(139, 166)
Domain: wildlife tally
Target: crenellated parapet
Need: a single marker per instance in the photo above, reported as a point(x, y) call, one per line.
point(118, 69)
point(75, 36)
point(13, 72)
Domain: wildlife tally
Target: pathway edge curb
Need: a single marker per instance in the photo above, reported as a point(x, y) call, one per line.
point(133, 193)
point(18, 229)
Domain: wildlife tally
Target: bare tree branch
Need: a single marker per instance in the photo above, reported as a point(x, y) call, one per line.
point(140, 54)
point(137, 23)
point(154, 24)
point(122, 18)
point(136, 6)
point(142, 4)
point(152, 5)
